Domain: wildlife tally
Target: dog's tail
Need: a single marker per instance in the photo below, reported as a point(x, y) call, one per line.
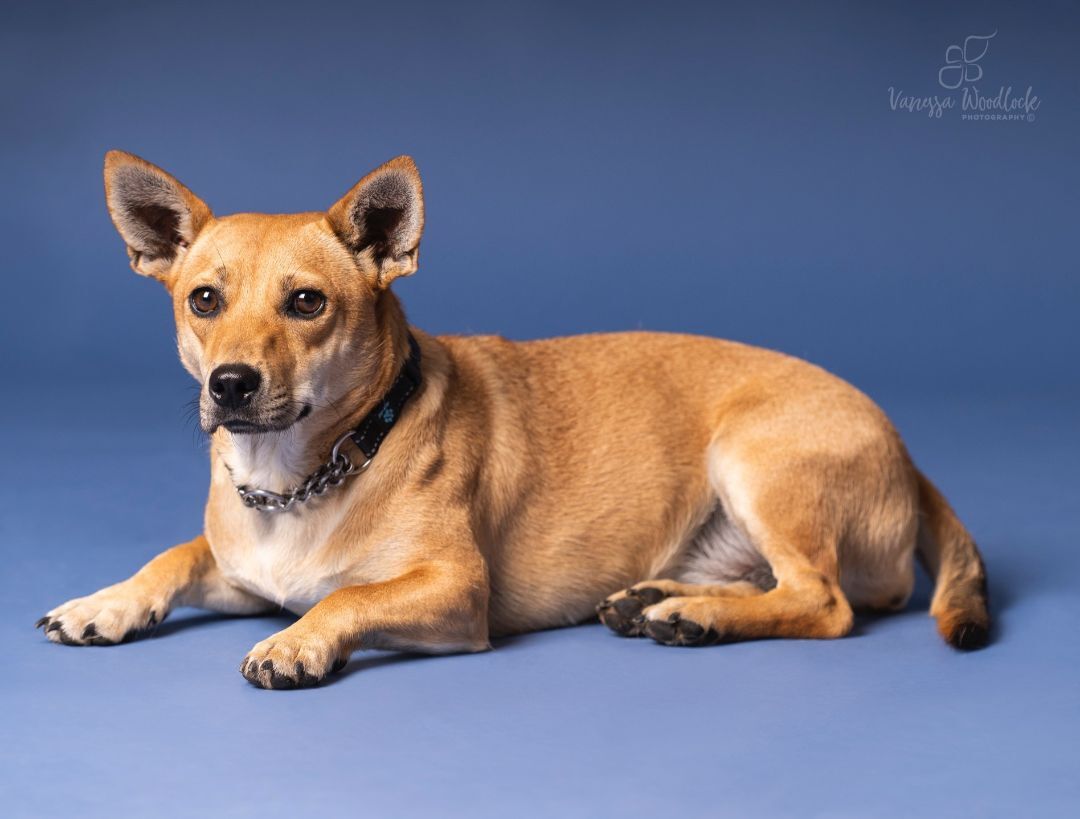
point(950, 555)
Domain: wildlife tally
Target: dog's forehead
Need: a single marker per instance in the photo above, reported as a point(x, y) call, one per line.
point(258, 243)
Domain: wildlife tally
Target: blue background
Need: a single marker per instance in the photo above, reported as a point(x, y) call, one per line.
point(732, 169)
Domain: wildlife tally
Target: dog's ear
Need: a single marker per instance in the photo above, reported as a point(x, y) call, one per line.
point(157, 216)
point(383, 217)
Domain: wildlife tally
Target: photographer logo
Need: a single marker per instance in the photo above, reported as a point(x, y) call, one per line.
point(963, 68)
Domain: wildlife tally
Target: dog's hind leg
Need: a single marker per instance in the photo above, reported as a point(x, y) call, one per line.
point(807, 601)
point(718, 561)
point(792, 511)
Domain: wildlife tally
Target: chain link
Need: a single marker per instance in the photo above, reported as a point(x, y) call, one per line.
point(330, 474)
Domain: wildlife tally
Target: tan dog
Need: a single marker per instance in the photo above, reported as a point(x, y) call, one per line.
point(701, 489)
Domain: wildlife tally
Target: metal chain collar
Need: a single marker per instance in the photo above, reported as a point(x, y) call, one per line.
point(330, 474)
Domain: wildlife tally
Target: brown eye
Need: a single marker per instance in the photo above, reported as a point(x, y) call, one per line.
point(205, 301)
point(306, 303)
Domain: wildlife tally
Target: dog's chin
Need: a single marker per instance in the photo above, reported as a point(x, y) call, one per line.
point(244, 426)
point(250, 428)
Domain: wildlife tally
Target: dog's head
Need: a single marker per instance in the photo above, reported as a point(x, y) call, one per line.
point(276, 315)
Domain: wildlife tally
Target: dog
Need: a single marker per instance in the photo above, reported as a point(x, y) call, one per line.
point(411, 492)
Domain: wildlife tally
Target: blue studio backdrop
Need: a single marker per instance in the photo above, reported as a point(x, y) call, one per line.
point(890, 190)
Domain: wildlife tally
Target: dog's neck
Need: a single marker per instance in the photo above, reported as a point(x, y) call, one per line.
point(279, 461)
point(269, 460)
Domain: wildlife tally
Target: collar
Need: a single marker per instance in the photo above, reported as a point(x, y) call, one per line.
point(367, 436)
point(376, 424)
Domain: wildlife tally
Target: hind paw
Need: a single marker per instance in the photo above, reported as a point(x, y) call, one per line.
point(676, 630)
point(622, 612)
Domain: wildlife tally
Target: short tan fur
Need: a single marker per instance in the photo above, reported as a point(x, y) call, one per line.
point(686, 489)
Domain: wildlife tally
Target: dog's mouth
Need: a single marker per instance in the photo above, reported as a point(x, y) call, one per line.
point(245, 426)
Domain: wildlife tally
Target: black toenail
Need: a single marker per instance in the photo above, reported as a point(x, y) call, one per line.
point(89, 631)
point(65, 638)
point(303, 678)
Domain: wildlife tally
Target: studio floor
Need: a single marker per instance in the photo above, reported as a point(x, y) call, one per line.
point(569, 723)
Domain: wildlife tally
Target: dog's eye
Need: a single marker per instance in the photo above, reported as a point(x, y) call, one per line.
point(306, 303)
point(205, 301)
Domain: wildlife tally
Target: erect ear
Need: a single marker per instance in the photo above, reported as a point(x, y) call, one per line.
point(383, 216)
point(156, 215)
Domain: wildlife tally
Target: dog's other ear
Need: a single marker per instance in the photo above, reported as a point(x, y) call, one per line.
point(157, 216)
point(383, 216)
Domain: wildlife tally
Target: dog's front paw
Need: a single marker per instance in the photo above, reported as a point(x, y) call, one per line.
point(297, 657)
point(105, 618)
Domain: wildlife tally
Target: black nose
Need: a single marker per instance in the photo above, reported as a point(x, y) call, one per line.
point(232, 385)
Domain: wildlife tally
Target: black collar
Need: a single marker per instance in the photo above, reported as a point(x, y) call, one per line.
point(370, 432)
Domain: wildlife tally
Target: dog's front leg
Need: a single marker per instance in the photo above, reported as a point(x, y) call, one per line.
point(184, 575)
point(437, 607)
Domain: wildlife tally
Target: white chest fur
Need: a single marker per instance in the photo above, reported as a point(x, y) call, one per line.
point(282, 557)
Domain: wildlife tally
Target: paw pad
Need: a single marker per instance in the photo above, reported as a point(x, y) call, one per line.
point(678, 631)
